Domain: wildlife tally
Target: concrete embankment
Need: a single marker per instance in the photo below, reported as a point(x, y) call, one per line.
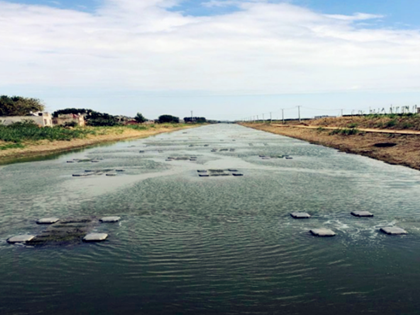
point(45, 147)
point(390, 146)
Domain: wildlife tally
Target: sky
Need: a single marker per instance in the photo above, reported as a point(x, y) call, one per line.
point(221, 59)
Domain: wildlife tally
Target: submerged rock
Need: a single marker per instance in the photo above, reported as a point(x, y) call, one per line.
point(95, 237)
point(361, 214)
point(20, 239)
point(109, 219)
point(47, 220)
point(322, 232)
point(300, 215)
point(393, 230)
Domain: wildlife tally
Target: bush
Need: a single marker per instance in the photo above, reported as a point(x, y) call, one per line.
point(140, 118)
point(70, 124)
point(19, 132)
point(391, 123)
point(345, 132)
point(168, 119)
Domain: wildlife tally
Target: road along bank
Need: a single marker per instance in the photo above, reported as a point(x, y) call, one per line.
point(392, 147)
point(104, 135)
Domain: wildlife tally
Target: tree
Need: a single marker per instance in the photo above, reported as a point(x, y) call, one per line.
point(140, 118)
point(168, 119)
point(92, 117)
point(19, 106)
point(198, 120)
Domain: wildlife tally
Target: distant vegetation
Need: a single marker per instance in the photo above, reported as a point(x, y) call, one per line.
point(168, 119)
point(374, 121)
point(19, 106)
point(140, 118)
point(198, 120)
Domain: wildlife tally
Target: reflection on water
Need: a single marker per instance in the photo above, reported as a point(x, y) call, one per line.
point(193, 245)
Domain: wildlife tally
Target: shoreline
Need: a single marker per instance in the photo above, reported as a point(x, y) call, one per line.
point(403, 149)
point(47, 148)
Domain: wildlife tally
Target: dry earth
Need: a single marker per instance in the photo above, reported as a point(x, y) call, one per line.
point(405, 152)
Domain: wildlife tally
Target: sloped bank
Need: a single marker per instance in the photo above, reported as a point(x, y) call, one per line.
point(45, 148)
point(390, 148)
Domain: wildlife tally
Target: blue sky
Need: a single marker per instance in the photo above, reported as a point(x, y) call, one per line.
point(224, 59)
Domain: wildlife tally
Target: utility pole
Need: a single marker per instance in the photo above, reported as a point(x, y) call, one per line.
point(282, 115)
point(299, 112)
point(257, 118)
point(263, 117)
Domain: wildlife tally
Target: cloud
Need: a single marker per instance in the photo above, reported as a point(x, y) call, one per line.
point(147, 46)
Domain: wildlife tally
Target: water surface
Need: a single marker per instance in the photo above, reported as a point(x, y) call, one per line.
point(192, 245)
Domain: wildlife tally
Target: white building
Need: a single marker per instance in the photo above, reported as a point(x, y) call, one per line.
point(41, 119)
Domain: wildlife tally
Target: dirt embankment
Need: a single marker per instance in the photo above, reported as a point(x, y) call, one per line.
point(45, 147)
point(390, 148)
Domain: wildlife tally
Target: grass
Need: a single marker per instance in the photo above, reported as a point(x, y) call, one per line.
point(12, 146)
point(20, 132)
point(346, 132)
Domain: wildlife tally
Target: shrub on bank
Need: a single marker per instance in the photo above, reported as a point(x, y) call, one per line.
point(28, 131)
point(345, 132)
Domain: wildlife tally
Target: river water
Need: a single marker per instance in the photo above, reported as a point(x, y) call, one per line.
point(195, 245)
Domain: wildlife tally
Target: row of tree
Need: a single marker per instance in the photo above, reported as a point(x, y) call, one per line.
point(22, 106)
point(92, 118)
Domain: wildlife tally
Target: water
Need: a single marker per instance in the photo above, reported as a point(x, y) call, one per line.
point(191, 245)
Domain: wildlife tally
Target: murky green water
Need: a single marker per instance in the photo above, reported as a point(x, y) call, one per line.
point(227, 245)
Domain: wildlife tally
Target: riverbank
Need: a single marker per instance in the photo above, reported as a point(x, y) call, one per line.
point(392, 148)
point(95, 135)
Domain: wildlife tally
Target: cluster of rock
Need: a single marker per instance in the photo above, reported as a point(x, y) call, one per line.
point(218, 172)
point(66, 231)
point(323, 232)
point(223, 150)
point(106, 171)
point(84, 160)
point(181, 158)
point(267, 157)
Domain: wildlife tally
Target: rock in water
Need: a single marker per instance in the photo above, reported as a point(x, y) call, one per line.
point(95, 237)
point(109, 219)
point(393, 230)
point(362, 214)
point(300, 215)
point(47, 220)
point(65, 232)
point(20, 239)
point(322, 232)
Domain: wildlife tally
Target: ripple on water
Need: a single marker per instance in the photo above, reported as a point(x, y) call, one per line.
point(195, 246)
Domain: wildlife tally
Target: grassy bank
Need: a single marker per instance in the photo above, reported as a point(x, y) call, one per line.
point(391, 148)
point(23, 141)
point(390, 121)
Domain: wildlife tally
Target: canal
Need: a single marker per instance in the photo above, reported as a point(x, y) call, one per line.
point(190, 244)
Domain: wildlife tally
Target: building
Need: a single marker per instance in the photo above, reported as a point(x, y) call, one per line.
point(69, 119)
point(40, 118)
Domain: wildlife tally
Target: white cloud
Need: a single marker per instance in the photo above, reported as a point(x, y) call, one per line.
point(261, 48)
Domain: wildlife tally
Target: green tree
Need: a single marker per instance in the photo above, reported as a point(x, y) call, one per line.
point(168, 119)
point(19, 106)
point(140, 118)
